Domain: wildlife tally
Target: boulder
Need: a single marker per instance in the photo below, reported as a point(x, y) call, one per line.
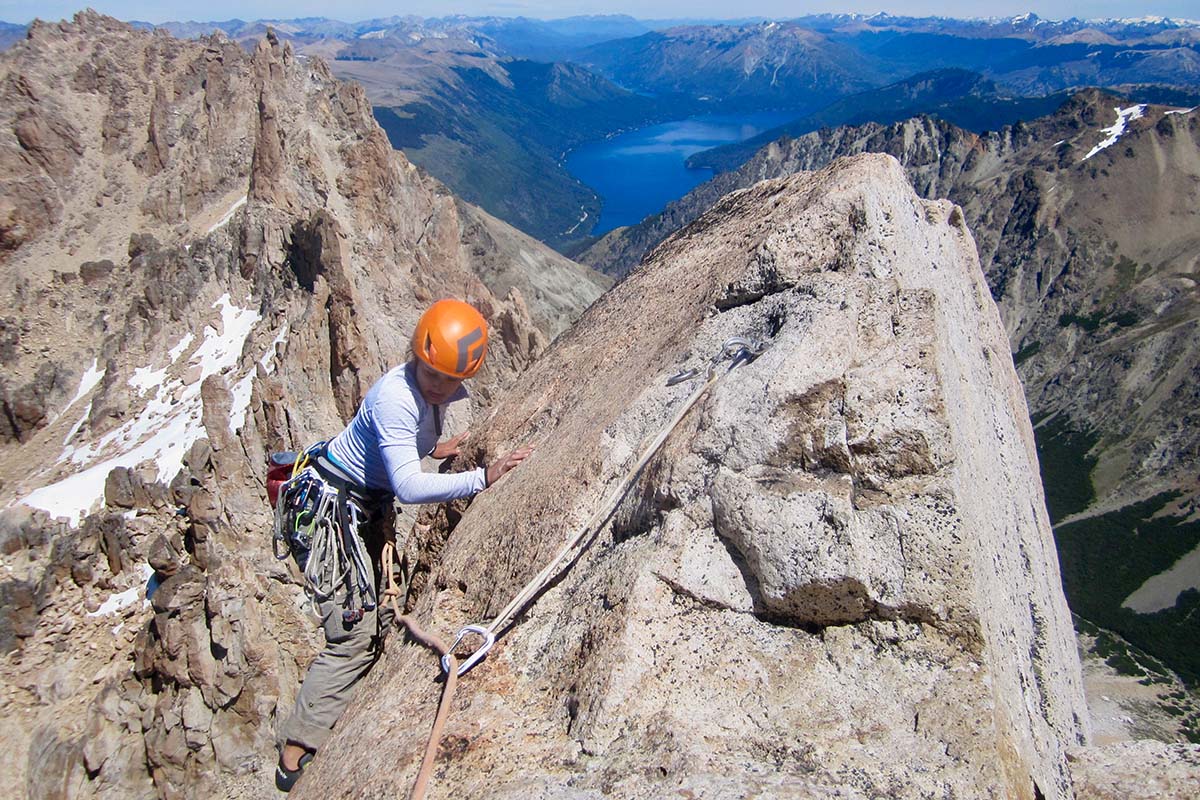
point(93, 272)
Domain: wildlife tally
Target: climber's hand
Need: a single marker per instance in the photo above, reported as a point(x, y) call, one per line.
point(506, 463)
point(450, 447)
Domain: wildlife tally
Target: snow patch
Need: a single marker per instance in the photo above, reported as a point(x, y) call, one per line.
point(126, 598)
point(87, 412)
point(1172, 22)
point(145, 379)
point(228, 215)
point(241, 402)
point(81, 493)
point(220, 349)
point(162, 433)
point(90, 378)
point(243, 388)
point(1118, 128)
point(180, 348)
point(1181, 110)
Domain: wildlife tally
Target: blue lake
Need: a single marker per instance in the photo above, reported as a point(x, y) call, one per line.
point(639, 172)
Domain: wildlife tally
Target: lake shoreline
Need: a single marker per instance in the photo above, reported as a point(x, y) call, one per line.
point(636, 173)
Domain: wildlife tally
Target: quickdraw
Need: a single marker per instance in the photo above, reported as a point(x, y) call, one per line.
point(736, 349)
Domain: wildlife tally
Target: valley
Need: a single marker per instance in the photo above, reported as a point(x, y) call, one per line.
point(820, 71)
point(497, 132)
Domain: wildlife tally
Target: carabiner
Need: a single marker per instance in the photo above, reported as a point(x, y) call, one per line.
point(737, 348)
point(680, 377)
point(489, 639)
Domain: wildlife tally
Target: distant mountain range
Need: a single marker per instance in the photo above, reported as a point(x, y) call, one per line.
point(739, 67)
point(965, 98)
point(1026, 55)
point(471, 100)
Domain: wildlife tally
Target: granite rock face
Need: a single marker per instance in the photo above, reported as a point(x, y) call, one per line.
point(837, 578)
point(1087, 223)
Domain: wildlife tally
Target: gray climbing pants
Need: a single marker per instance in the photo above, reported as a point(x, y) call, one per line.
point(351, 649)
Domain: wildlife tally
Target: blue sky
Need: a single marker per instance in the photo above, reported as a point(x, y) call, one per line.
point(354, 10)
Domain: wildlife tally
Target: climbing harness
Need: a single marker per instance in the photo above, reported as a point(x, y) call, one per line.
point(317, 518)
point(737, 351)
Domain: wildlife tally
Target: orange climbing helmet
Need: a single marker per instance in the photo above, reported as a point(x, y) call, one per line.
point(451, 337)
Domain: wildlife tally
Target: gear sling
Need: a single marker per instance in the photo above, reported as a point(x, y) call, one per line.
point(320, 513)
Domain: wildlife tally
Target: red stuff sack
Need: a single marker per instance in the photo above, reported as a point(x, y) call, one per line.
point(279, 470)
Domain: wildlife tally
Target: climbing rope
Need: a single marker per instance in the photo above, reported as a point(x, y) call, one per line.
point(738, 351)
point(392, 595)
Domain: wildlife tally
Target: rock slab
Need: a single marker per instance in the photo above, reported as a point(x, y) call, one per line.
point(837, 578)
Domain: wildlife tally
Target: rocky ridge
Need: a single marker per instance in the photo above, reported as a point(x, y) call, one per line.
point(836, 579)
point(209, 255)
point(1086, 225)
point(1060, 236)
point(176, 157)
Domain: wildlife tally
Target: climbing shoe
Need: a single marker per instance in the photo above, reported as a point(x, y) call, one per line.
point(286, 778)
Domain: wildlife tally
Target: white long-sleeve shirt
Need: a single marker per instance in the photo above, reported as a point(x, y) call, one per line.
point(383, 445)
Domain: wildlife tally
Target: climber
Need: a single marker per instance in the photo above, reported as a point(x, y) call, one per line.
point(378, 457)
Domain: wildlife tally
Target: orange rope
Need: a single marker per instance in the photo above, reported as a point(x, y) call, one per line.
point(436, 645)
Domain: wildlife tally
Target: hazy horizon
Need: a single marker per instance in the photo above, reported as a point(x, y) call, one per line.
point(356, 11)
